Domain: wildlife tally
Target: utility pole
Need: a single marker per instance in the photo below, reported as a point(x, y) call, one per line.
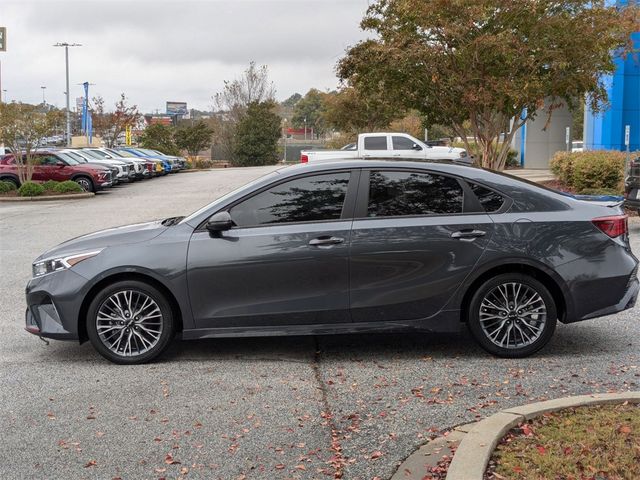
point(285, 141)
point(305, 129)
point(43, 100)
point(67, 93)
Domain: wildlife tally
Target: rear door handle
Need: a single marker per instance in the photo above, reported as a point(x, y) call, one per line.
point(325, 241)
point(468, 235)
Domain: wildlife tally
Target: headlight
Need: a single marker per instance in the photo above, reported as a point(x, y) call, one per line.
point(51, 265)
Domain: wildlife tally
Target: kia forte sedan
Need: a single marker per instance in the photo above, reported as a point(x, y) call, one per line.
point(344, 247)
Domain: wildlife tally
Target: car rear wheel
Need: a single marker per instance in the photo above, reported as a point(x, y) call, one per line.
point(11, 180)
point(512, 315)
point(85, 183)
point(130, 322)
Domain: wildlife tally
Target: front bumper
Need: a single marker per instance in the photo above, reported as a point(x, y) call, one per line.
point(53, 305)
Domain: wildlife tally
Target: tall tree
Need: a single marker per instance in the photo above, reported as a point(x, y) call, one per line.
point(353, 111)
point(257, 136)
point(160, 137)
point(22, 128)
point(232, 103)
point(309, 111)
point(491, 63)
point(110, 125)
point(194, 138)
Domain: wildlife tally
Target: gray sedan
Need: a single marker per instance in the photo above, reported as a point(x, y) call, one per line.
point(344, 247)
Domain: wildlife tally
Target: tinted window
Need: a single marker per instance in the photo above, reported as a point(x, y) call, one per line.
point(490, 200)
point(409, 193)
point(47, 160)
point(375, 143)
point(403, 143)
point(307, 199)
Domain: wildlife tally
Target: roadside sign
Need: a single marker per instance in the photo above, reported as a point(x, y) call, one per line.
point(3, 39)
point(567, 137)
point(627, 135)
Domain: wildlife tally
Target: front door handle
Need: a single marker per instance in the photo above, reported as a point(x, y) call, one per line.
point(325, 241)
point(468, 235)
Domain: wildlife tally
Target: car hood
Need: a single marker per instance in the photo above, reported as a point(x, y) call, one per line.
point(128, 234)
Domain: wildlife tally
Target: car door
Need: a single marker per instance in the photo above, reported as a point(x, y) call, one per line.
point(404, 147)
point(416, 236)
point(50, 169)
point(286, 260)
point(375, 146)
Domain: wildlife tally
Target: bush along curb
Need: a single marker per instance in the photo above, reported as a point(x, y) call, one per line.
point(474, 452)
point(50, 198)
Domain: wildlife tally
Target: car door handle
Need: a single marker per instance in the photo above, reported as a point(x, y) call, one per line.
point(325, 241)
point(468, 235)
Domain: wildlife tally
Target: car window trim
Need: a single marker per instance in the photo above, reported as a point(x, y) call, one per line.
point(470, 203)
point(352, 189)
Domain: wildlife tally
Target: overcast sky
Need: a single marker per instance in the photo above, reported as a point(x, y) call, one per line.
point(156, 50)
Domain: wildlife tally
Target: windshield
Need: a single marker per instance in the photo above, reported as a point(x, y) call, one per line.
point(147, 151)
point(98, 153)
point(231, 193)
point(76, 156)
point(91, 154)
point(68, 158)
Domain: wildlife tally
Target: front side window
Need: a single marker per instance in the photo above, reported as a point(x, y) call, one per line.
point(375, 143)
point(307, 199)
point(396, 194)
point(403, 143)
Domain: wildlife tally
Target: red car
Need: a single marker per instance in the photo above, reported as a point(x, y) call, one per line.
point(59, 167)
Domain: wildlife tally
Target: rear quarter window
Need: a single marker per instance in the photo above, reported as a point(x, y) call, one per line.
point(490, 200)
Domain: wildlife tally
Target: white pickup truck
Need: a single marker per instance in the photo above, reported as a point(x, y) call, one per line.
point(388, 145)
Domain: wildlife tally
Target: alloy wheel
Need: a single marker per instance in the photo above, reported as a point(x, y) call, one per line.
point(513, 315)
point(129, 323)
point(84, 184)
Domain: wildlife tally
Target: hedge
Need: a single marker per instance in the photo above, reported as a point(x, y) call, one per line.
point(6, 186)
point(30, 189)
point(597, 171)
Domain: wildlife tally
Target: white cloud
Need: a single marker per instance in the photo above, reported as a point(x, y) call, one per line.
point(156, 51)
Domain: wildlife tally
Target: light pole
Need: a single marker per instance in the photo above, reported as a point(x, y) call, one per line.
point(43, 100)
point(66, 59)
point(305, 129)
point(285, 141)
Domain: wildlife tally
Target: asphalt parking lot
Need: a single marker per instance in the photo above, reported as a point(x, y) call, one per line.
point(267, 408)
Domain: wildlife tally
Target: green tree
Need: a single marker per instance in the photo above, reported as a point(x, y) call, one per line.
point(309, 111)
point(488, 62)
point(194, 138)
point(110, 125)
point(352, 111)
point(22, 128)
point(292, 100)
point(257, 136)
point(160, 137)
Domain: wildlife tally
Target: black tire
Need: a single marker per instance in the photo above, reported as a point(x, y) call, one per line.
point(512, 320)
point(102, 301)
point(12, 180)
point(85, 183)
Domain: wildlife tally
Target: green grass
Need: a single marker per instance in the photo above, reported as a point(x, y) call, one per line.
point(600, 442)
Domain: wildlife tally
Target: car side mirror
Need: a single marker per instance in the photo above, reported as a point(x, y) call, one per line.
point(219, 222)
point(416, 147)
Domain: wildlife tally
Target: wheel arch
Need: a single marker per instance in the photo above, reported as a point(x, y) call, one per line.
point(84, 175)
point(120, 276)
point(551, 281)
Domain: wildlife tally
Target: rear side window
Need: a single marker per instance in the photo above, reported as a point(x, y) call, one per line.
point(307, 199)
point(375, 143)
point(491, 201)
point(395, 194)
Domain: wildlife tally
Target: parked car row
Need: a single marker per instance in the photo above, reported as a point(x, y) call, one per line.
point(93, 168)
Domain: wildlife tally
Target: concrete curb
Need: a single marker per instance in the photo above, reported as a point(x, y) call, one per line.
point(48, 198)
point(473, 454)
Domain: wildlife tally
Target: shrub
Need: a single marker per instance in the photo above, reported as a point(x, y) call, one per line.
point(68, 187)
point(30, 189)
point(202, 163)
point(512, 160)
point(50, 185)
point(593, 172)
point(6, 186)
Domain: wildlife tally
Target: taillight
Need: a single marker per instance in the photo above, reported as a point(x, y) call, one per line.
point(613, 226)
point(304, 158)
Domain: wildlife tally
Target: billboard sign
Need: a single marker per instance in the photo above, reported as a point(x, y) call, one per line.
point(177, 108)
point(3, 39)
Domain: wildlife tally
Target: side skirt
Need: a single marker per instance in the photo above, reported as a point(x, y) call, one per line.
point(446, 322)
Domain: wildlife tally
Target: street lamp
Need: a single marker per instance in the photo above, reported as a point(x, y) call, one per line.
point(43, 100)
point(66, 59)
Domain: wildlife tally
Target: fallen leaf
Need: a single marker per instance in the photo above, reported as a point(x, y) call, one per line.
point(90, 463)
point(376, 454)
point(169, 460)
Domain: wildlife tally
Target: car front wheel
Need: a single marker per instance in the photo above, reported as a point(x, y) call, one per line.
point(85, 183)
point(512, 315)
point(130, 322)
